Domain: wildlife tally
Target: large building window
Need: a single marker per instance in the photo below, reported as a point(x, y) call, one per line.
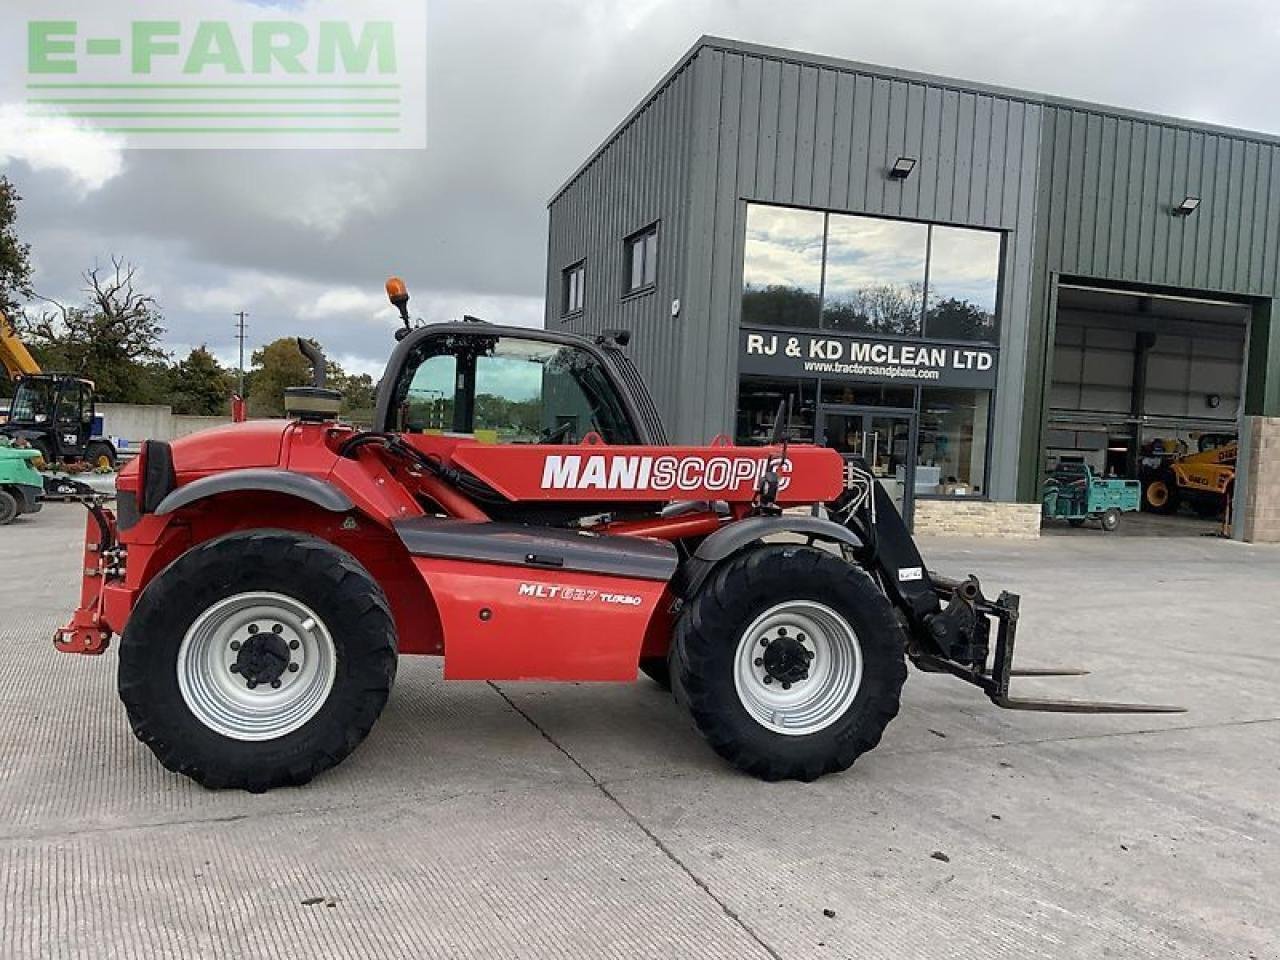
point(951, 458)
point(853, 394)
point(758, 402)
point(875, 272)
point(642, 259)
point(870, 275)
point(782, 268)
point(964, 272)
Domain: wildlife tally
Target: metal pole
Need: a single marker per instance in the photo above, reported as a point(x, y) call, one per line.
point(240, 336)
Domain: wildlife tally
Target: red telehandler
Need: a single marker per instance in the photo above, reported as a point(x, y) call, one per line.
point(518, 510)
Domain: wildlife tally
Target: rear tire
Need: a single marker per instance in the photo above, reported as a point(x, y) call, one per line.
point(830, 621)
point(257, 660)
point(1160, 495)
point(1110, 520)
point(9, 508)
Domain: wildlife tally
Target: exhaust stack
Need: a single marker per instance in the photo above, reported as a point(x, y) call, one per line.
point(316, 403)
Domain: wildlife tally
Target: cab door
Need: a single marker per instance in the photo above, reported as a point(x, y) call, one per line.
point(73, 418)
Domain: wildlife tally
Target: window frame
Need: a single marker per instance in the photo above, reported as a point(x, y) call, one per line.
point(576, 269)
point(1002, 235)
point(645, 240)
point(988, 448)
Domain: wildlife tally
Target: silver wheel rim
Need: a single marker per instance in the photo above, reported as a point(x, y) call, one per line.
point(834, 672)
point(212, 672)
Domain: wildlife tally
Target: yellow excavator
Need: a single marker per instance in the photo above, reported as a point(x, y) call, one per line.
point(1203, 480)
point(53, 412)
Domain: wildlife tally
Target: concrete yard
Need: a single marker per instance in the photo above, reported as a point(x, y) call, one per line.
point(592, 821)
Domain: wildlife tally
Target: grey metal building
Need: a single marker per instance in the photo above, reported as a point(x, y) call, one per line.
point(956, 281)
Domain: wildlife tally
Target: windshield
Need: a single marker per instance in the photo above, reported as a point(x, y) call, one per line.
point(509, 390)
point(32, 402)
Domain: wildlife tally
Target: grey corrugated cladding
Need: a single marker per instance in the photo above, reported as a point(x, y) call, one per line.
point(641, 178)
point(1081, 190)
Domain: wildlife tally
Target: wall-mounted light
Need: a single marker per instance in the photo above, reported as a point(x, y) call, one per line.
point(1213, 401)
point(1187, 207)
point(902, 168)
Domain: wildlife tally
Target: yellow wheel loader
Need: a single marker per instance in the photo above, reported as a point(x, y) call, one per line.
point(1203, 480)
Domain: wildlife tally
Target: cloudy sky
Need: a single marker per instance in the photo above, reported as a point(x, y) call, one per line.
point(520, 91)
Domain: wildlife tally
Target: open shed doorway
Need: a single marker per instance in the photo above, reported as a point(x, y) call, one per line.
point(1148, 387)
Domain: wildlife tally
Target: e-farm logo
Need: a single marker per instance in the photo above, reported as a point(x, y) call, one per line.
point(231, 73)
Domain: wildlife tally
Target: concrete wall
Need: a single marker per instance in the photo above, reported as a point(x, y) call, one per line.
point(1260, 497)
point(136, 422)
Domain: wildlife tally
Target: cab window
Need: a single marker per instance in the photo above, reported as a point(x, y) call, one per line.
point(510, 390)
point(428, 404)
point(70, 407)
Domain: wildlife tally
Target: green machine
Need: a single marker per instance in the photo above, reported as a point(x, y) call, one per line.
point(21, 485)
point(1073, 492)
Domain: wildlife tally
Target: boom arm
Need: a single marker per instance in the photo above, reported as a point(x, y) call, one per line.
point(17, 360)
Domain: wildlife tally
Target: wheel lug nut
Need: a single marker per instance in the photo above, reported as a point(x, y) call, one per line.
point(764, 642)
point(234, 668)
point(293, 668)
point(808, 654)
point(759, 661)
point(293, 644)
point(768, 679)
point(276, 628)
point(235, 644)
point(251, 684)
point(253, 628)
point(782, 631)
point(786, 686)
point(275, 684)
point(800, 637)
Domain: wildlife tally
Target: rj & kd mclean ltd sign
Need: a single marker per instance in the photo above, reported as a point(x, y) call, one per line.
point(866, 359)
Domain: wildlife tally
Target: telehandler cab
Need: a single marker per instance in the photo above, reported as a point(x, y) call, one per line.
point(518, 510)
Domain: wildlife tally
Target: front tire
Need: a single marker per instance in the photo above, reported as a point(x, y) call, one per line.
point(257, 660)
point(790, 661)
point(99, 453)
point(1160, 495)
point(9, 508)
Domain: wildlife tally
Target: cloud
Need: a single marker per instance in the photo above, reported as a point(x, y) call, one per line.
point(89, 158)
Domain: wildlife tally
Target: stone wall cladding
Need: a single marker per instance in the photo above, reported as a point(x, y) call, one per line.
point(1262, 481)
point(977, 518)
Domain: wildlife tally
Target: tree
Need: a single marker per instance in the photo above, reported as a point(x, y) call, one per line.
point(199, 385)
point(278, 365)
point(884, 308)
point(961, 320)
point(359, 393)
point(15, 265)
point(778, 305)
point(111, 338)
